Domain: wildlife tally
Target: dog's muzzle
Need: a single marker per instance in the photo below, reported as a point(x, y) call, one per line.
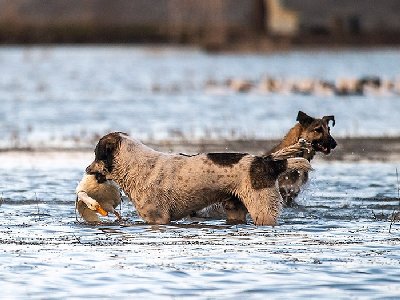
point(332, 142)
point(325, 146)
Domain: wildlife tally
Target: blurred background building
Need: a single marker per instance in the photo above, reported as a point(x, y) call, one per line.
point(213, 24)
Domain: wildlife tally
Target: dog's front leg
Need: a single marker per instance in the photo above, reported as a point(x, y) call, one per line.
point(153, 214)
point(264, 206)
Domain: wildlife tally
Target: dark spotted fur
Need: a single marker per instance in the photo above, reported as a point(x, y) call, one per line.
point(264, 172)
point(225, 159)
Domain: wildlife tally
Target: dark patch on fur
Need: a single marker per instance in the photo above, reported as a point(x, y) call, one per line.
point(106, 147)
point(225, 159)
point(264, 172)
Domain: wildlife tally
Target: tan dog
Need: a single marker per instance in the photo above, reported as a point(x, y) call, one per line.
point(95, 195)
point(166, 187)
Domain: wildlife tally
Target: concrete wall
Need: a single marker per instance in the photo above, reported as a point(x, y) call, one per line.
point(200, 21)
point(372, 15)
point(163, 19)
point(114, 12)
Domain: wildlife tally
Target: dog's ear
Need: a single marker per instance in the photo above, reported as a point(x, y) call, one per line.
point(304, 119)
point(329, 118)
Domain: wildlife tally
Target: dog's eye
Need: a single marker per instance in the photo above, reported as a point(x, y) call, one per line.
point(318, 129)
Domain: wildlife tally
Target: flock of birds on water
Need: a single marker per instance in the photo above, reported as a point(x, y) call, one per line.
point(368, 85)
point(363, 86)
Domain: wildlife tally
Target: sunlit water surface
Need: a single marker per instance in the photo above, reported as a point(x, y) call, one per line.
point(335, 244)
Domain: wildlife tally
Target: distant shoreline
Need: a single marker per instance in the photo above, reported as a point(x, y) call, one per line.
point(349, 149)
point(234, 47)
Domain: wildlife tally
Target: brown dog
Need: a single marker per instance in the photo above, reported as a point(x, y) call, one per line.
point(317, 132)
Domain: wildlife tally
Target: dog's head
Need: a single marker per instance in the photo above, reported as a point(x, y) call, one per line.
point(105, 152)
point(317, 132)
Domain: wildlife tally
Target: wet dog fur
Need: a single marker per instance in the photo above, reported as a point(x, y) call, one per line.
point(166, 187)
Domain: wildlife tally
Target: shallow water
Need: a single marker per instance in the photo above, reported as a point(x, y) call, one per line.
point(335, 244)
point(65, 96)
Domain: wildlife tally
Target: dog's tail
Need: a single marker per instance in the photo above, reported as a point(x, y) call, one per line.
point(299, 164)
point(291, 151)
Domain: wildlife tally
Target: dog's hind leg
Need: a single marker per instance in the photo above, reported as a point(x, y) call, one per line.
point(235, 211)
